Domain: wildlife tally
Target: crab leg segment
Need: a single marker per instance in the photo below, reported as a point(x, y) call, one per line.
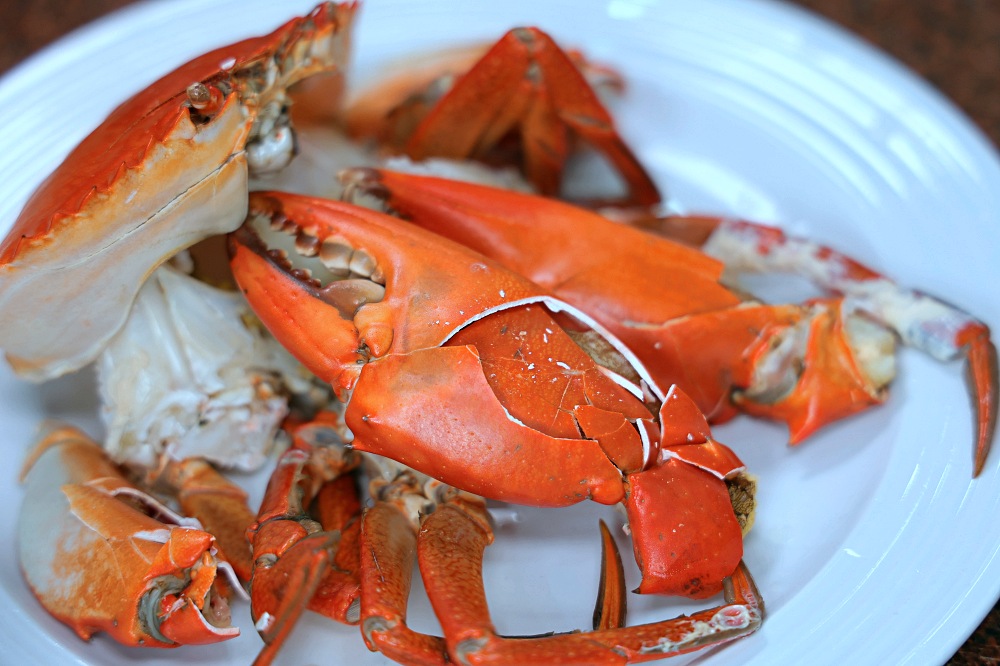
point(167, 168)
point(388, 554)
point(691, 567)
point(220, 506)
point(290, 588)
point(610, 609)
point(302, 561)
point(689, 488)
point(75, 535)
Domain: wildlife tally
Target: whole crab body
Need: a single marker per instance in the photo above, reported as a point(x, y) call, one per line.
point(437, 353)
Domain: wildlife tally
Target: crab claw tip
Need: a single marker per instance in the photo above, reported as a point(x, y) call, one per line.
point(982, 374)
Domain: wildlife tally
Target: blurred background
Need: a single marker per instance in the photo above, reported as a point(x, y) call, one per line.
point(953, 44)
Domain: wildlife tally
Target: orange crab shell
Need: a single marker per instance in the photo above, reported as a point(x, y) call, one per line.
point(155, 177)
point(91, 559)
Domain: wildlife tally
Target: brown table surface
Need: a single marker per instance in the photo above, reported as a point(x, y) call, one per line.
point(954, 44)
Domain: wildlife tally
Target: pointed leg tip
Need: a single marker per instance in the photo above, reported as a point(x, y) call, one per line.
point(610, 609)
point(983, 446)
point(981, 355)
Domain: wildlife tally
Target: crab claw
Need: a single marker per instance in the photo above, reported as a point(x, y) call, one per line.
point(350, 297)
point(426, 332)
point(619, 275)
point(77, 537)
point(455, 367)
point(921, 321)
point(167, 168)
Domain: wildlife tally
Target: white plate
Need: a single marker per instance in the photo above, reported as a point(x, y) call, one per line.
point(872, 544)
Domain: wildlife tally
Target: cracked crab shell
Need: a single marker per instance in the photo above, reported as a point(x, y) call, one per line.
point(96, 559)
point(154, 178)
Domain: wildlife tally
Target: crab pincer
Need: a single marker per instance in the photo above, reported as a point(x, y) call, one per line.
point(471, 374)
point(102, 556)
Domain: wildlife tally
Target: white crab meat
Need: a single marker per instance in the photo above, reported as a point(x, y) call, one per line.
point(192, 374)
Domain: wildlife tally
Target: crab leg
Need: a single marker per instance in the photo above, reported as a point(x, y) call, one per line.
point(527, 83)
point(450, 548)
point(394, 527)
point(921, 321)
point(338, 509)
point(301, 562)
point(388, 551)
point(220, 506)
point(610, 609)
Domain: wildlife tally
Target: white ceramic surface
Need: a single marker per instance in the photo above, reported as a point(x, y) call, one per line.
point(872, 544)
